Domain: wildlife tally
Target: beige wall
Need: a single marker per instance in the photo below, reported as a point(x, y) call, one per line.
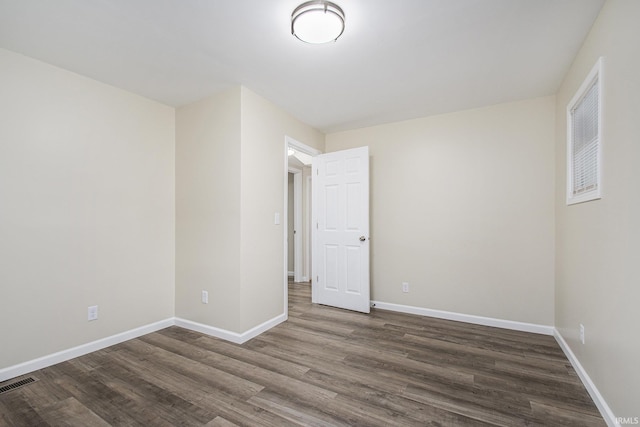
point(230, 173)
point(264, 127)
point(462, 208)
point(86, 209)
point(208, 210)
point(597, 276)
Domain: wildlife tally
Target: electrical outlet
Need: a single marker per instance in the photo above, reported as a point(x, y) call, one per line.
point(581, 333)
point(92, 313)
point(205, 297)
point(405, 287)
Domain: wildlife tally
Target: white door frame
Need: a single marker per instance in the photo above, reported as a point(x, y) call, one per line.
point(298, 146)
point(306, 274)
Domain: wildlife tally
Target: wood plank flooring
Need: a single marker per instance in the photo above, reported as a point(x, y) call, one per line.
point(323, 367)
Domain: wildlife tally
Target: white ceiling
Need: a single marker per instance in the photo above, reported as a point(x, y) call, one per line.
point(398, 59)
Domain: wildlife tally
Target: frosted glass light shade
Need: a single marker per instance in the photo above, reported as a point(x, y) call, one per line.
point(317, 22)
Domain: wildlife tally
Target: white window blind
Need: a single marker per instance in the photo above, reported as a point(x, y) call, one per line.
point(584, 141)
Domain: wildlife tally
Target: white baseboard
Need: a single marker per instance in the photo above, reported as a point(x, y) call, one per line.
point(81, 350)
point(234, 337)
point(602, 406)
point(468, 318)
point(599, 401)
point(64, 355)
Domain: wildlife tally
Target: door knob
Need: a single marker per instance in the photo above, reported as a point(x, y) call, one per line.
point(362, 238)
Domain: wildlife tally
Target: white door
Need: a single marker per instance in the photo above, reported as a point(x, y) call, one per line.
point(340, 226)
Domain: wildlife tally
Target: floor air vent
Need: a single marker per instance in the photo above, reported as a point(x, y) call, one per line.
point(17, 384)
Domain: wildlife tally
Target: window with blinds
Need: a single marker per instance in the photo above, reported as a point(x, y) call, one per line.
point(584, 140)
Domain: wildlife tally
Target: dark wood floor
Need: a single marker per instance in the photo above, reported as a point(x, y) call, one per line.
point(323, 367)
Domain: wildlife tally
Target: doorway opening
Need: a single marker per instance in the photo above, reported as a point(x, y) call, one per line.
point(297, 213)
point(295, 249)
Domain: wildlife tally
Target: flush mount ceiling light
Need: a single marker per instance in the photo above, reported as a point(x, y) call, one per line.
point(317, 22)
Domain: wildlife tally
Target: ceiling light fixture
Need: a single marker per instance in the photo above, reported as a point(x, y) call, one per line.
point(317, 22)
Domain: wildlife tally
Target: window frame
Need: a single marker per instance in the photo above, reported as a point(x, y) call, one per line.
point(594, 76)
